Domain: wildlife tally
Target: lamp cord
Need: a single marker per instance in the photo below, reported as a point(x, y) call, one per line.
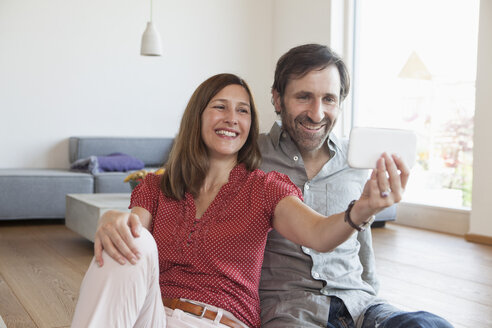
point(151, 10)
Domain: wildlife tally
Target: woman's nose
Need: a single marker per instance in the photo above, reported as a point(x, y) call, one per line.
point(231, 118)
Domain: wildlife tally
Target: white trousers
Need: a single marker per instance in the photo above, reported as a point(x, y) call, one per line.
point(116, 295)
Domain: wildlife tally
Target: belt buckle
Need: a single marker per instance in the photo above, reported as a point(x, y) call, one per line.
point(203, 306)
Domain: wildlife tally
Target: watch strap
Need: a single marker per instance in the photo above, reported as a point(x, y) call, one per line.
point(351, 223)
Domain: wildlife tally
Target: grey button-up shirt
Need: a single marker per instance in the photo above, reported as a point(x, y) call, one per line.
point(296, 281)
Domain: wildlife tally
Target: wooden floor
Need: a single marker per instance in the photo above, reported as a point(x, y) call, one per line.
point(42, 265)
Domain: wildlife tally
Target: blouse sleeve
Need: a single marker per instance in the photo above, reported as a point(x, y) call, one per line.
point(146, 194)
point(276, 187)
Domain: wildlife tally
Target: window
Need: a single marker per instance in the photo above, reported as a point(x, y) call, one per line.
point(414, 68)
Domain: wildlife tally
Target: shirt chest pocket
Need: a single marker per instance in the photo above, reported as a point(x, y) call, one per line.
point(339, 194)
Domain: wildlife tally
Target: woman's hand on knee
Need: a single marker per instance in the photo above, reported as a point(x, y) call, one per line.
point(115, 235)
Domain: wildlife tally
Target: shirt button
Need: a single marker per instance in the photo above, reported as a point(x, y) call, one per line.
point(315, 275)
point(296, 158)
point(306, 250)
point(307, 187)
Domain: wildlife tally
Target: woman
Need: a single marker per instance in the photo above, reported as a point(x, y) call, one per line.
point(209, 215)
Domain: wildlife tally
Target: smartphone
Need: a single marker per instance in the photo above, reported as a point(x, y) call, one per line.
point(366, 145)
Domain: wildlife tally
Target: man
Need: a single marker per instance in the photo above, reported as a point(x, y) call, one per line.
point(299, 286)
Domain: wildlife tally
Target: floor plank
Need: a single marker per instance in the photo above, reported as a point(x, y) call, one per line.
point(74, 248)
point(459, 311)
point(439, 273)
point(11, 311)
point(44, 282)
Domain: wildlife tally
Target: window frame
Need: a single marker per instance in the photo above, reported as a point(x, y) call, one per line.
point(343, 39)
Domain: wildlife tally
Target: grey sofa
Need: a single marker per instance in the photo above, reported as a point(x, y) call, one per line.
point(40, 193)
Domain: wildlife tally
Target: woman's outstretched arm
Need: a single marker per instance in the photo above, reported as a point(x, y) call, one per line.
point(304, 226)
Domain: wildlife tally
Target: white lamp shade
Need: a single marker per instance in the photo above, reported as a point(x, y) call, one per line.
point(151, 42)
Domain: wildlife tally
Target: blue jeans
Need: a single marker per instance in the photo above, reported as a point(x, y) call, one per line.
point(339, 316)
point(383, 316)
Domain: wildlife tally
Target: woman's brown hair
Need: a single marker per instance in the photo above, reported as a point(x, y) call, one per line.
point(188, 161)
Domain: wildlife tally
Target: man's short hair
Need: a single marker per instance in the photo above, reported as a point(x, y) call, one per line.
point(303, 59)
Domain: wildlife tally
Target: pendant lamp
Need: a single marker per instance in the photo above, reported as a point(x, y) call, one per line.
point(151, 40)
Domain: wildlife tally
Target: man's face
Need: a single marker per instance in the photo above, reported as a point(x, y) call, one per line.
point(310, 107)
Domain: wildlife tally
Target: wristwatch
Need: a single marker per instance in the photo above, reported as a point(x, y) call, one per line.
point(351, 223)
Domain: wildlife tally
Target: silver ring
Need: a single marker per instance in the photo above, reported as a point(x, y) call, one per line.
point(385, 193)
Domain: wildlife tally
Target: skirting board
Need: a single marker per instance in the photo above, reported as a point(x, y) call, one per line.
point(480, 239)
point(441, 219)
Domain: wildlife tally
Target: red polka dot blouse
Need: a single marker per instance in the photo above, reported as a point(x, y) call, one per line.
point(216, 259)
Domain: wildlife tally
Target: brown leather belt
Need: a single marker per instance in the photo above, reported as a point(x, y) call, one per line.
point(198, 310)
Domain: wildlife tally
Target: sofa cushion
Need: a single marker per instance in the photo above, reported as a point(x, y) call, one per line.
point(152, 151)
point(39, 193)
point(116, 162)
point(111, 182)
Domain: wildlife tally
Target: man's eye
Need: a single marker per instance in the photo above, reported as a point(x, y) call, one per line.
point(303, 97)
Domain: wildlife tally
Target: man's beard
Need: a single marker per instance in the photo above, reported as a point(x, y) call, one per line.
point(306, 141)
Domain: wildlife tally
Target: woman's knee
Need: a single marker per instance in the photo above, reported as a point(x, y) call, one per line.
point(148, 256)
point(146, 244)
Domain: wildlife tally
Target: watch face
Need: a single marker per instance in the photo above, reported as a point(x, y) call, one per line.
point(368, 222)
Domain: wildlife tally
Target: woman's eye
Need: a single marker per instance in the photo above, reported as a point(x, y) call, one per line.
point(219, 106)
point(244, 110)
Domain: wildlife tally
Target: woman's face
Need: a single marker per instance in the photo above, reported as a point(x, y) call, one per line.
point(226, 122)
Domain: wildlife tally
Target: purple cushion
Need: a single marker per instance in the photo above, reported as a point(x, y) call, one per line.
point(119, 162)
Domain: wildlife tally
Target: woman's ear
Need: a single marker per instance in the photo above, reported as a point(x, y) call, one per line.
point(276, 101)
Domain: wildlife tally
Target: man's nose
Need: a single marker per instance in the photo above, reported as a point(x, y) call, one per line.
point(316, 112)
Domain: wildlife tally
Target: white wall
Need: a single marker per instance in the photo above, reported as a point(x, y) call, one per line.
point(481, 214)
point(72, 67)
point(298, 22)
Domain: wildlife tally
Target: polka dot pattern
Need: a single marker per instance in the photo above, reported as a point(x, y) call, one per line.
point(216, 259)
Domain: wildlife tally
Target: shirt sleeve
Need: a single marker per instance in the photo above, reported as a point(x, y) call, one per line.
point(146, 194)
point(276, 187)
